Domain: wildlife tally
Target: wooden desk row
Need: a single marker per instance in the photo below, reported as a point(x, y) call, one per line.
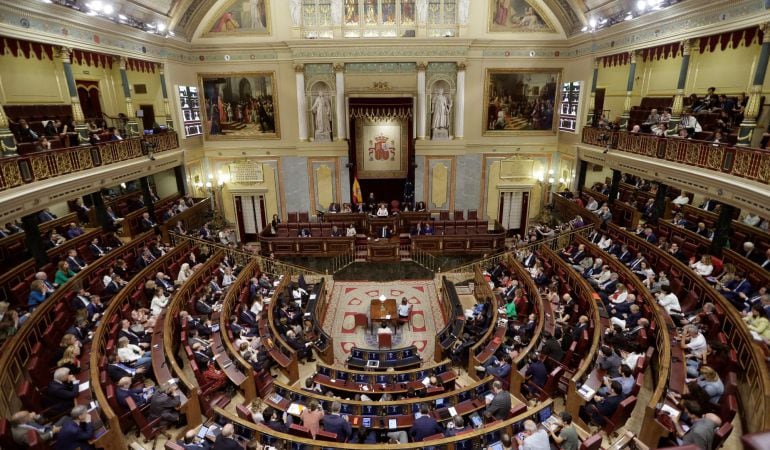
point(398, 359)
point(280, 351)
point(13, 248)
point(454, 316)
point(754, 391)
point(622, 213)
point(114, 437)
point(348, 382)
point(494, 337)
point(476, 439)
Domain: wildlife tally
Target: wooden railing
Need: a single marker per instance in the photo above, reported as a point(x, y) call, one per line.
point(102, 337)
point(19, 170)
point(744, 162)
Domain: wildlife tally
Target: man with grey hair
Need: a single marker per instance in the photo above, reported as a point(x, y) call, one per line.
point(750, 253)
point(534, 438)
point(76, 430)
point(42, 276)
point(62, 391)
point(499, 406)
point(165, 405)
point(226, 439)
point(24, 422)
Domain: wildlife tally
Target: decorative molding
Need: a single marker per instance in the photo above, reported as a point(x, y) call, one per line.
point(400, 51)
point(380, 67)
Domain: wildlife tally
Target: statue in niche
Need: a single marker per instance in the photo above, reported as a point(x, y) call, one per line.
point(441, 106)
point(337, 12)
point(322, 117)
point(295, 7)
point(422, 11)
point(463, 10)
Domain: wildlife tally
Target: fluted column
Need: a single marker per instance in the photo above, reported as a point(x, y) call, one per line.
point(77, 110)
point(339, 74)
point(592, 117)
point(678, 105)
point(460, 102)
point(299, 71)
point(132, 126)
point(749, 124)
point(421, 100)
point(164, 91)
point(629, 89)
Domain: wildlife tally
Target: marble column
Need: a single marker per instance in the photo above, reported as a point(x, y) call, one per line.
point(749, 124)
point(676, 108)
point(299, 71)
point(460, 102)
point(164, 91)
point(132, 126)
point(77, 111)
point(339, 76)
point(629, 89)
point(592, 118)
point(421, 100)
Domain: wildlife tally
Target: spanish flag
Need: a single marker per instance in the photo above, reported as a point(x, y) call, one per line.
point(358, 198)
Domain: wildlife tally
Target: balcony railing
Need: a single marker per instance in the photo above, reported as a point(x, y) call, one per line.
point(749, 163)
point(20, 170)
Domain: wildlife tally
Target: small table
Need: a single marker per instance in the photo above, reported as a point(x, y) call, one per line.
point(381, 311)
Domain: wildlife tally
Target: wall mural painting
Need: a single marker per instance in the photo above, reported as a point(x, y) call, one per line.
point(381, 148)
point(240, 106)
point(520, 101)
point(516, 15)
point(243, 16)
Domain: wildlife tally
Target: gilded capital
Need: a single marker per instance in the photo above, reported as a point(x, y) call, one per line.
point(161, 68)
point(687, 46)
point(765, 27)
point(421, 66)
point(461, 66)
point(632, 55)
point(299, 68)
point(123, 61)
point(65, 54)
point(339, 67)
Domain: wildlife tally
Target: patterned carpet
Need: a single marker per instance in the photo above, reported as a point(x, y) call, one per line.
point(348, 298)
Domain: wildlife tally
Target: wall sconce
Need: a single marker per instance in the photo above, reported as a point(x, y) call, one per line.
point(551, 180)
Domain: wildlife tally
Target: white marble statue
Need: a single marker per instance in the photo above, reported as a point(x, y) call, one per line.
point(322, 111)
point(440, 109)
point(295, 7)
point(422, 11)
point(337, 12)
point(463, 9)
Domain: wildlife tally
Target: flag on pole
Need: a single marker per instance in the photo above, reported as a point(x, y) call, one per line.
point(358, 198)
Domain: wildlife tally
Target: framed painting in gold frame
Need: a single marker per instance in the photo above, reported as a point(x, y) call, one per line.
point(520, 101)
point(381, 148)
point(239, 105)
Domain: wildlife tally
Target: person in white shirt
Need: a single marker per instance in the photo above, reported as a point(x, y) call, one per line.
point(703, 267)
point(534, 438)
point(689, 122)
point(228, 278)
point(403, 309)
point(133, 355)
point(382, 211)
point(605, 242)
point(257, 306)
point(184, 273)
point(592, 205)
point(351, 231)
point(681, 200)
point(159, 301)
point(694, 341)
point(182, 205)
point(668, 300)
point(751, 220)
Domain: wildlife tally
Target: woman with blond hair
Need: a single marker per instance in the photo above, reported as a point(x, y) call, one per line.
point(63, 273)
point(70, 359)
point(703, 267)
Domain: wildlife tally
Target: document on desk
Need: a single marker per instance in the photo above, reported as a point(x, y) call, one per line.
point(83, 386)
point(387, 317)
point(673, 412)
point(586, 392)
point(295, 409)
point(392, 424)
point(313, 296)
point(452, 411)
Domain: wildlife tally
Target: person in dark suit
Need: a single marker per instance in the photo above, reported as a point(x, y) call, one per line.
point(201, 307)
point(75, 262)
point(335, 423)
point(191, 442)
point(165, 405)
point(426, 425)
point(76, 431)
point(24, 421)
point(146, 223)
point(551, 347)
point(500, 405)
point(536, 372)
point(298, 344)
point(202, 355)
point(98, 250)
point(751, 253)
point(624, 255)
point(124, 391)
point(247, 317)
point(602, 407)
point(530, 259)
point(676, 252)
point(737, 289)
point(117, 370)
point(226, 439)
point(62, 391)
